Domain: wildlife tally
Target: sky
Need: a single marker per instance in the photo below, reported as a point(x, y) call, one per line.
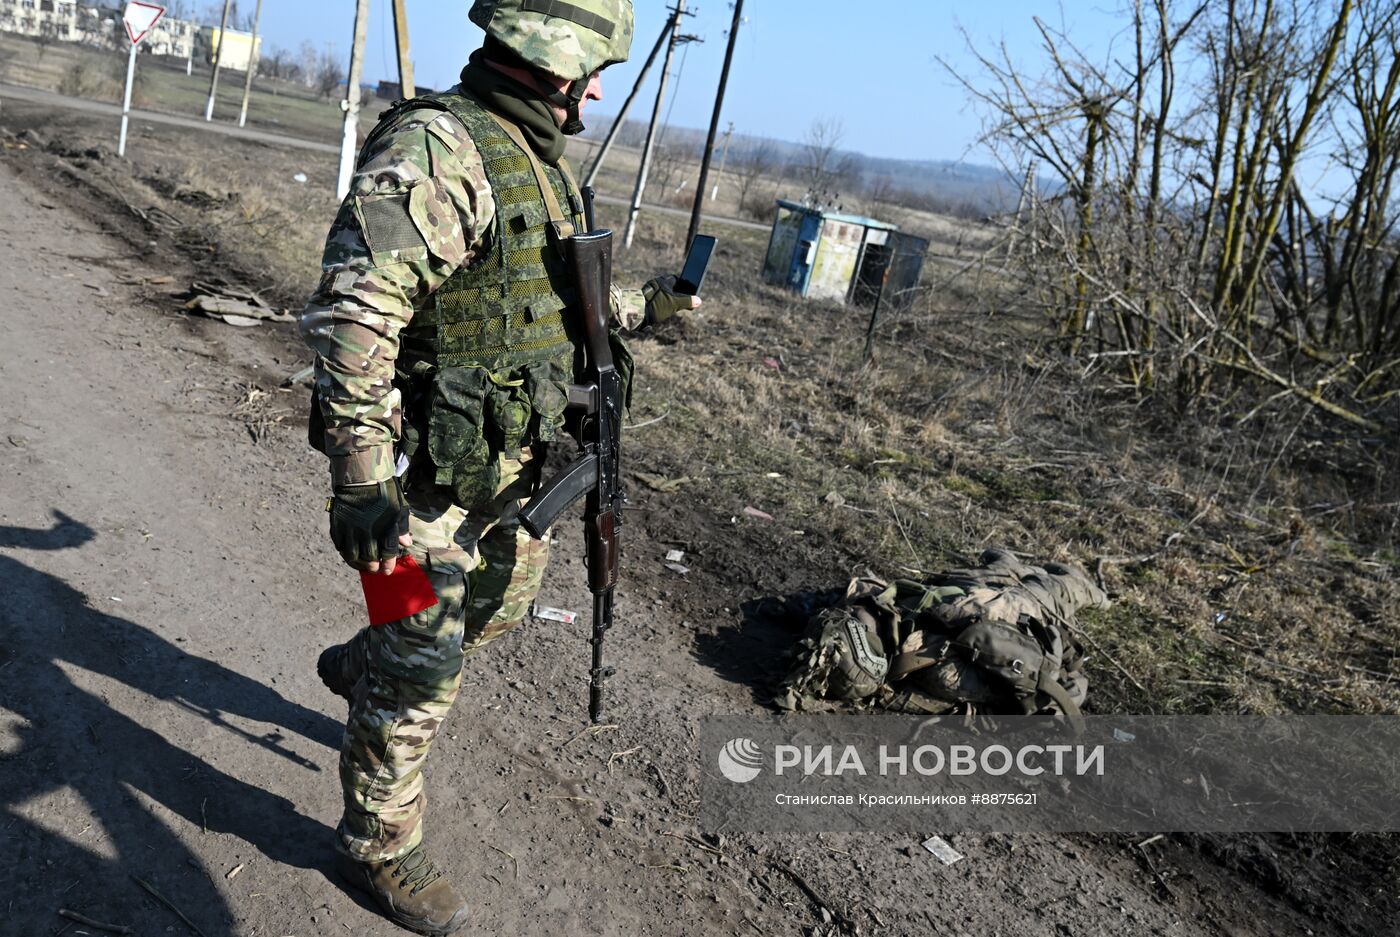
point(873, 65)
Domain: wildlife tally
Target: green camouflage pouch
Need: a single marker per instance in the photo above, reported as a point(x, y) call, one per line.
point(508, 413)
point(1027, 671)
point(457, 435)
point(415, 390)
point(548, 390)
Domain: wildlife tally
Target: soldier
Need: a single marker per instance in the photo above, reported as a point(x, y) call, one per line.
point(997, 638)
point(442, 366)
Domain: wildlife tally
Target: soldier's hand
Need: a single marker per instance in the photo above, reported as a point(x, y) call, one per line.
point(663, 301)
point(369, 525)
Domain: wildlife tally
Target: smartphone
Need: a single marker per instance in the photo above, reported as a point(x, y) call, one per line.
point(696, 262)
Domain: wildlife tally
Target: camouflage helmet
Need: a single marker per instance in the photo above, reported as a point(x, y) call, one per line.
point(840, 657)
point(570, 40)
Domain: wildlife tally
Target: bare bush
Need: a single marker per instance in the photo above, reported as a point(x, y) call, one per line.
point(81, 80)
point(1176, 247)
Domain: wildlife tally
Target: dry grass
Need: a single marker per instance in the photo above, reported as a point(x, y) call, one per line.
point(1256, 566)
point(1256, 571)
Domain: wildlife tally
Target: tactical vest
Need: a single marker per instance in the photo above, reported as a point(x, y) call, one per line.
point(501, 358)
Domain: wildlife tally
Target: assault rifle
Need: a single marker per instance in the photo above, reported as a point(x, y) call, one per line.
point(594, 475)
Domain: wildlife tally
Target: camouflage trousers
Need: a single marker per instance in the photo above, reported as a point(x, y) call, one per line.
point(485, 570)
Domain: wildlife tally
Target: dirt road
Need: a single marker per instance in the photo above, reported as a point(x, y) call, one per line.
point(167, 585)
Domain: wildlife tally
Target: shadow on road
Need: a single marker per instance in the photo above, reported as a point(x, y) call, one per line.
point(74, 768)
point(757, 651)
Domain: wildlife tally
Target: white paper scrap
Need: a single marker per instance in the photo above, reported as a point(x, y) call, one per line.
point(939, 847)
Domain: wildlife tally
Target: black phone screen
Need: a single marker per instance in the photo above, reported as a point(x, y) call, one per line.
point(696, 262)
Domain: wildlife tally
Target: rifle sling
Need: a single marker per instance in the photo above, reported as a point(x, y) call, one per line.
point(563, 227)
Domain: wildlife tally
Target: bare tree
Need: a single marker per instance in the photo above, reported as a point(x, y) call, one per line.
point(280, 63)
point(330, 72)
point(47, 36)
point(1179, 248)
point(242, 22)
point(116, 38)
point(668, 164)
point(309, 61)
point(755, 162)
point(819, 151)
point(881, 190)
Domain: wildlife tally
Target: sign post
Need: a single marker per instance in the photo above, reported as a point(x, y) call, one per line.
point(138, 19)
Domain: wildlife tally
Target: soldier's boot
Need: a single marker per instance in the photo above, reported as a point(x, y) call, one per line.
point(411, 890)
point(329, 668)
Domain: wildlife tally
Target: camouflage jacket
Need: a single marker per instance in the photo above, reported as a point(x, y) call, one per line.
point(366, 296)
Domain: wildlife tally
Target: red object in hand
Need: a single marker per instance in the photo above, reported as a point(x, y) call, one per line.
point(406, 591)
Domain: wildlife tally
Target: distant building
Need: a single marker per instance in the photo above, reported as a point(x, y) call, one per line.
point(96, 26)
point(171, 37)
point(50, 19)
point(828, 254)
point(238, 48)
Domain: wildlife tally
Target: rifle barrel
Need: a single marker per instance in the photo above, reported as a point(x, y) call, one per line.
point(597, 676)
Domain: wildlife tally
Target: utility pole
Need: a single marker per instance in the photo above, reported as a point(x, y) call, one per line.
point(616, 128)
point(1024, 205)
point(218, 60)
point(723, 158)
point(698, 208)
point(676, 38)
point(252, 66)
point(406, 87)
point(351, 104)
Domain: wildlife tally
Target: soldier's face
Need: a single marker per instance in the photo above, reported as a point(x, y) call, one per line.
point(595, 88)
point(593, 92)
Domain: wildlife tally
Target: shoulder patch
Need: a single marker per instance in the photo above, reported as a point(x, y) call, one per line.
point(449, 131)
point(388, 226)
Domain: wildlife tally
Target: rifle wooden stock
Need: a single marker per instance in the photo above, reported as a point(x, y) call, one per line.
point(602, 551)
point(590, 264)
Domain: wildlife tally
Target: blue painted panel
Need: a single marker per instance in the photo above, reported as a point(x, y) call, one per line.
point(801, 273)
